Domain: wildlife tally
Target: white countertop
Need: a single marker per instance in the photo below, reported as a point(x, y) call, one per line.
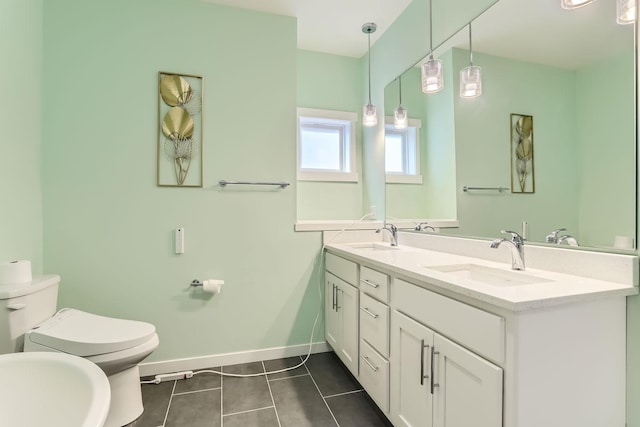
point(413, 263)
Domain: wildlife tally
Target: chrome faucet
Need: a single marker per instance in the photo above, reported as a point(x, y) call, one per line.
point(558, 240)
point(516, 244)
point(424, 227)
point(553, 236)
point(393, 232)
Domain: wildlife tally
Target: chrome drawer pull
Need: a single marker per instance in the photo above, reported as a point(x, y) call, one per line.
point(433, 362)
point(373, 285)
point(422, 375)
point(374, 368)
point(366, 310)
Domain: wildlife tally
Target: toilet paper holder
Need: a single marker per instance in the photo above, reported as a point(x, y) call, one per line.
point(196, 282)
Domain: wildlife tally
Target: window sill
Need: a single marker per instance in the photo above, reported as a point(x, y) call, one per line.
point(403, 179)
point(328, 176)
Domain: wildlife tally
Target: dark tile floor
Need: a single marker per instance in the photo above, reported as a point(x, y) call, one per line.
point(320, 393)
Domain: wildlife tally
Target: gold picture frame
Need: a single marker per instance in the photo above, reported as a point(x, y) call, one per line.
point(180, 104)
point(522, 159)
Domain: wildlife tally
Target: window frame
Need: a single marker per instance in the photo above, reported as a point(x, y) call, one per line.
point(344, 120)
point(406, 178)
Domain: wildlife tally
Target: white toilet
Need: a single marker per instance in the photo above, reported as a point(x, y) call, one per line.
point(29, 322)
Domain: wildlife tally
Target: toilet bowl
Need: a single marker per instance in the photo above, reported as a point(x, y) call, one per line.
point(117, 346)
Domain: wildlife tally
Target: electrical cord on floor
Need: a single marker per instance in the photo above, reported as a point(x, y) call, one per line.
point(188, 374)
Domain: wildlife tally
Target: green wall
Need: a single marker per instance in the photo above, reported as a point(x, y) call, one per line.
point(604, 134)
point(331, 82)
point(21, 119)
point(109, 228)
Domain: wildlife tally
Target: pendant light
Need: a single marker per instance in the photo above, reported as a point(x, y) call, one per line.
point(470, 77)
point(400, 114)
point(625, 11)
point(574, 4)
point(369, 116)
point(432, 79)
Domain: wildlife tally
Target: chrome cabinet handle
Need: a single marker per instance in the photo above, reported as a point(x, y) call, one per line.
point(366, 360)
point(366, 310)
point(433, 362)
point(333, 307)
point(337, 290)
point(422, 375)
point(373, 285)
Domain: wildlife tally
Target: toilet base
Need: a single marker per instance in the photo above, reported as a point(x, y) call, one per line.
point(126, 398)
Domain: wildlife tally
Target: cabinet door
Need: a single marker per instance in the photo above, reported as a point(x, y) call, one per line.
point(347, 299)
point(469, 391)
point(332, 329)
point(411, 399)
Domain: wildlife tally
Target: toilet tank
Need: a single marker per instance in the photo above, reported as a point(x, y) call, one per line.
point(23, 306)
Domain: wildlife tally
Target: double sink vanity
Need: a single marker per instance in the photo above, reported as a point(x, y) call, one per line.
point(440, 331)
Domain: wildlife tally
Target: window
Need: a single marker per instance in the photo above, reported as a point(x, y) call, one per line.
point(326, 145)
point(402, 152)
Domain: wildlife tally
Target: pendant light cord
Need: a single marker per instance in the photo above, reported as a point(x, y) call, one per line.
point(400, 89)
point(430, 29)
point(470, 47)
point(369, 57)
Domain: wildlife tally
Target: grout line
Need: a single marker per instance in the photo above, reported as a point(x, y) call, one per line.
point(197, 391)
point(287, 378)
point(271, 394)
point(320, 393)
point(346, 392)
point(247, 411)
point(166, 414)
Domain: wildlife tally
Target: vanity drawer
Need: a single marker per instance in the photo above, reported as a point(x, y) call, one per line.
point(374, 323)
point(374, 283)
point(344, 269)
point(374, 375)
point(471, 327)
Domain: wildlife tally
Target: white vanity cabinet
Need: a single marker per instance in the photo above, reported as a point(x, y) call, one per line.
point(341, 309)
point(432, 354)
point(436, 382)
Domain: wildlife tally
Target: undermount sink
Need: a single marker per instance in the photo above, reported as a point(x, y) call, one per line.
point(52, 389)
point(373, 246)
point(489, 275)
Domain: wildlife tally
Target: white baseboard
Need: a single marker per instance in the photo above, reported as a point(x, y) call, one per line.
point(201, 362)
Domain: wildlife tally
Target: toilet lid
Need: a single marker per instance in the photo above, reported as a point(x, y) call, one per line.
point(84, 334)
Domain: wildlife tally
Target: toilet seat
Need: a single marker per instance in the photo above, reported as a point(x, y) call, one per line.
point(85, 334)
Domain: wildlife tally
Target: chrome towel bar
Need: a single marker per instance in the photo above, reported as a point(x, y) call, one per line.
point(499, 189)
point(224, 183)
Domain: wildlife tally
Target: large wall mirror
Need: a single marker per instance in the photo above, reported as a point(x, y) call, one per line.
point(573, 73)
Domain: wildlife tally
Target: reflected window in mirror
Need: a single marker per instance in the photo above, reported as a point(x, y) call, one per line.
point(402, 152)
point(326, 145)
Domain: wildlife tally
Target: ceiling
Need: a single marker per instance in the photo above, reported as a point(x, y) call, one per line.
point(542, 32)
point(536, 31)
point(331, 26)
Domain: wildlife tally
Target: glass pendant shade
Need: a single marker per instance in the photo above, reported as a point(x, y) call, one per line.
point(470, 82)
point(432, 79)
point(574, 4)
point(400, 118)
point(369, 116)
point(626, 11)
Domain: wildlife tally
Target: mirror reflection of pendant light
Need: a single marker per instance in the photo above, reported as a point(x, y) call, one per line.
point(400, 114)
point(574, 4)
point(369, 116)
point(470, 77)
point(432, 79)
point(626, 11)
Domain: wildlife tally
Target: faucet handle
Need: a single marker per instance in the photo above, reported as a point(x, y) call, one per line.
point(515, 237)
point(553, 236)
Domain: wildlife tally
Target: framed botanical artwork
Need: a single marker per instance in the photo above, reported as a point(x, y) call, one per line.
point(522, 169)
point(179, 130)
